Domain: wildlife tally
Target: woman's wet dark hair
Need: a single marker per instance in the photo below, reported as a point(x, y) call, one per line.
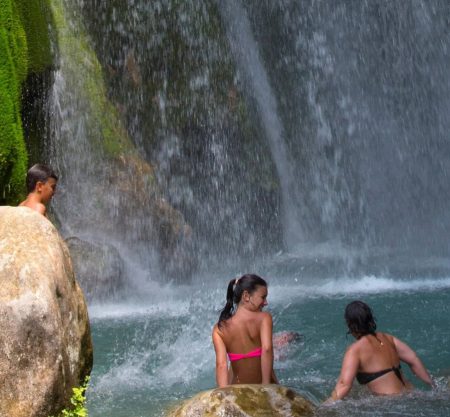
point(360, 319)
point(249, 283)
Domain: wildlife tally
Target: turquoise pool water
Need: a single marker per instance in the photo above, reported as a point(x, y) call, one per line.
point(150, 354)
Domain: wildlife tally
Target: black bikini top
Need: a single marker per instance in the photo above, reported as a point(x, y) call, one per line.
point(366, 377)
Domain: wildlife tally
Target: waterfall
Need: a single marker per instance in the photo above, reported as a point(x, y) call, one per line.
point(216, 131)
point(121, 231)
point(170, 71)
point(362, 92)
point(148, 171)
point(250, 64)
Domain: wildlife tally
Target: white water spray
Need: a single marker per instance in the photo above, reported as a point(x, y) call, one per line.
point(250, 64)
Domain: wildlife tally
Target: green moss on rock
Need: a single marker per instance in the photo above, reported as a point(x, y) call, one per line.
point(103, 124)
point(13, 69)
point(36, 19)
point(24, 48)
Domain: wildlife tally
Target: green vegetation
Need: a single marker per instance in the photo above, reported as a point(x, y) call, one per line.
point(13, 69)
point(78, 401)
point(103, 126)
point(24, 48)
point(36, 17)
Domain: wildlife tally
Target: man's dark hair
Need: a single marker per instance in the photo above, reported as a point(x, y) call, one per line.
point(38, 172)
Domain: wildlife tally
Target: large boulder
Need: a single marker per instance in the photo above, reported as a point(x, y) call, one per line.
point(247, 400)
point(45, 339)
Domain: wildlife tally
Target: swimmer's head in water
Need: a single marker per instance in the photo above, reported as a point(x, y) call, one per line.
point(236, 287)
point(360, 319)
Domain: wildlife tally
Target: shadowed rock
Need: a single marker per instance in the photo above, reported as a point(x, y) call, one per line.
point(249, 400)
point(45, 338)
point(98, 267)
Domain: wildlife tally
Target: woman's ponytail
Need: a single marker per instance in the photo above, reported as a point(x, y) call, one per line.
point(228, 310)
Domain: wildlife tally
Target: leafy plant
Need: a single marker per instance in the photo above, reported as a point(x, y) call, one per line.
point(78, 401)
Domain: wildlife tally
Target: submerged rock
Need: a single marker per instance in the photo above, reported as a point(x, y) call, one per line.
point(249, 400)
point(45, 339)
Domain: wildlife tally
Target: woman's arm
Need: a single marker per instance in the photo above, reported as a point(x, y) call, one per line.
point(267, 349)
point(407, 355)
point(221, 359)
point(349, 368)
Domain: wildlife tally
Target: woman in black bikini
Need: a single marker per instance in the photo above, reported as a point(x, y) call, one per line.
point(374, 359)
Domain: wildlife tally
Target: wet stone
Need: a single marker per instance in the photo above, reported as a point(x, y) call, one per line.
point(249, 400)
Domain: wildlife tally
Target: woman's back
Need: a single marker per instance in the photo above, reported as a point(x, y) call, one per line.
point(380, 364)
point(242, 335)
point(374, 359)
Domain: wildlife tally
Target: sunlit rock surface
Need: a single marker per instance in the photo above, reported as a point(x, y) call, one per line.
point(45, 338)
point(246, 401)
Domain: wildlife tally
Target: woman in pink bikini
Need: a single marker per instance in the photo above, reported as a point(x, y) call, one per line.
point(243, 334)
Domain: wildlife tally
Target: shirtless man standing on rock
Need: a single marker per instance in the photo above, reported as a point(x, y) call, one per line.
point(41, 185)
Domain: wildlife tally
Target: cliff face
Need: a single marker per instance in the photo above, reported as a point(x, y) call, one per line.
point(171, 73)
point(111, 192)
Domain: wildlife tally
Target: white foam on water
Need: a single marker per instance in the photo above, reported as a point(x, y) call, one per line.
point(155, 300)
point(128, 310)
point(183, 352)
point(180, 362)
point(130, 375)
point(346, 286)
point(168, 301)
point(189, 357)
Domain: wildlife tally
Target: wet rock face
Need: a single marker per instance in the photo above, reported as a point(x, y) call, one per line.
point(45, 339)
point(169, 69)
point(98, 268)
point(249, 400)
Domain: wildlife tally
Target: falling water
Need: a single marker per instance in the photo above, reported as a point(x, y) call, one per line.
point(348, 130)
point(250, 64)
point(107, 198)
point(172, 88)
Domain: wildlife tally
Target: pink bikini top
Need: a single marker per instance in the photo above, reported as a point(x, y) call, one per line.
point(237, 356)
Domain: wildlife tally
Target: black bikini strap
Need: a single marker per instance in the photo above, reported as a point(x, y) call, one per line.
point(398, 373)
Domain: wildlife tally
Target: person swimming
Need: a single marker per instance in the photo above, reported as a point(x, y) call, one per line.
point(374, 359)
point(243, 334)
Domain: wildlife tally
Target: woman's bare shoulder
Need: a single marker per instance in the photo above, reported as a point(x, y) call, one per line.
point(264, 316)
point(388, 336)
point(356, 346)
point(217, 330)
point(264, 319)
